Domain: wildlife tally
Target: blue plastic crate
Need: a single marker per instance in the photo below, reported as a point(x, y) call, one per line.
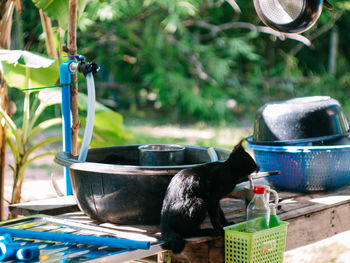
point(305, 168)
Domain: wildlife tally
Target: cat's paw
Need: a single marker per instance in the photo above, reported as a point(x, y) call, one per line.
point(174, 242)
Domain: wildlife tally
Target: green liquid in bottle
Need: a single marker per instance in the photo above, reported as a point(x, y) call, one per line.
point(274, 219)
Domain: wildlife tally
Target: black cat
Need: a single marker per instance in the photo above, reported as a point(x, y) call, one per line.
point(194, 192)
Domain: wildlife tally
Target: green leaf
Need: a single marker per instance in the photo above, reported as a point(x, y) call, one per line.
point(83, 104)
point(108, 125)
point(14, 65)
point(50, 96)
point(44, 126)
point(29, 59)
point(109, 121)
point(103, 138)
point(343, 5)
point(29, 161)
point(15, 75)
point(11, 126)
point(187, 8)
point(172, 22)
point(240, 47)
point(220, 68)
point(59, 9)
point(13, 148)
point(41, 144)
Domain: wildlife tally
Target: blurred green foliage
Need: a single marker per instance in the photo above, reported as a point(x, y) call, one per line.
point(201, 60)
point(108, 125)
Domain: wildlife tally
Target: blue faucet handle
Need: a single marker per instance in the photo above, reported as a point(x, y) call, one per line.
point(77, 58)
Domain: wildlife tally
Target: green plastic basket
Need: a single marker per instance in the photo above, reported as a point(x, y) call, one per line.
point(265, 246)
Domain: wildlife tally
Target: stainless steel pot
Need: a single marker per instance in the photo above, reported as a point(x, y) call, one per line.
point(289, 16)
point(161, 154)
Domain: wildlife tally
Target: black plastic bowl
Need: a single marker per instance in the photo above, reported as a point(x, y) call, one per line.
point(300, 118)
point(111, 187)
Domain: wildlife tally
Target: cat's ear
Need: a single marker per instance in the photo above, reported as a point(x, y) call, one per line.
point(238, 146)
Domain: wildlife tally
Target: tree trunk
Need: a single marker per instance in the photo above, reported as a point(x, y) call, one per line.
point(6, 24)
point(3, 138)
point(6, 12)
point(72, 49)
point(50, 44)
point(16, 191)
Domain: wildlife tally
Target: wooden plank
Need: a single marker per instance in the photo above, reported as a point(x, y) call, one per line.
point(211, 251)
point(216, 250)
point(151, 259)
point(318, 225)
point(193, 253)
point(53, 206)
point(288, 211)
point(306, 204)
point(130, 256)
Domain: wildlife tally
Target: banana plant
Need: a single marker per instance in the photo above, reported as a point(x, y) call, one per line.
point(27, 71)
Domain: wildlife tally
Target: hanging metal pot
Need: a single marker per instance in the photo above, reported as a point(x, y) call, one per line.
point(290, 16)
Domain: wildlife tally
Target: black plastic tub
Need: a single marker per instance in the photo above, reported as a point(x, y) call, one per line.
point(111, 187)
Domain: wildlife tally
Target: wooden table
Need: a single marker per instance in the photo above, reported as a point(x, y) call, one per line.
point(311, 217)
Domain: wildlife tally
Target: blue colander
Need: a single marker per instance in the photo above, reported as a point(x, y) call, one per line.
point(305, 168)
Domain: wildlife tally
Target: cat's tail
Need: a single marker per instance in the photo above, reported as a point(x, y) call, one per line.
point(173, 242)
